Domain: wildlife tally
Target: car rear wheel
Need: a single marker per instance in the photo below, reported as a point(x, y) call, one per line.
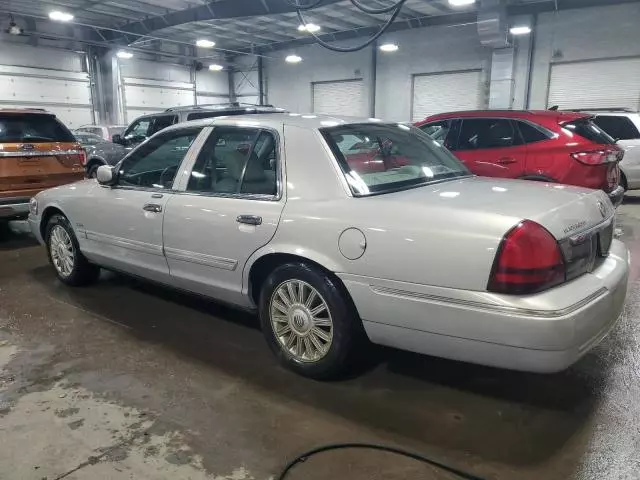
point(92, 171)
point(308, 321)
point(64, 253)
point(623, 181)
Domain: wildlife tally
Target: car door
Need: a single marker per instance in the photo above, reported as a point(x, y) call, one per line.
point(230, 207)
point(627, 134)
point(491, 147)
point(123, 223)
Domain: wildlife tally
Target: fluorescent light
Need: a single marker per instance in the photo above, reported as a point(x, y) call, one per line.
point(203, 43)
point(293, 59)
point(389, 47)
point(124, 54)
point(309, 27)
point(461, 3)
point(215, 67)
point(60, 16)
point(520, 30)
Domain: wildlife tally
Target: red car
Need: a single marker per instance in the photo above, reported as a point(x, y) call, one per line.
point(549, 146)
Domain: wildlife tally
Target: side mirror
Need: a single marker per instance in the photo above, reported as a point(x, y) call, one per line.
point(106, 175)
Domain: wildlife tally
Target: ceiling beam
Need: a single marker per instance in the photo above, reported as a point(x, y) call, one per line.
point(216, 10)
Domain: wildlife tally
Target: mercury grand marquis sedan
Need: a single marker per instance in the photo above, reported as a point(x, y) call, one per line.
point(269, 213)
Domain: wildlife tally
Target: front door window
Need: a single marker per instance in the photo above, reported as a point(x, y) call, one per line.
point(155, 164)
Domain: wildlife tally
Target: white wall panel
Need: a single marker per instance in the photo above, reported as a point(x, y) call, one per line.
point(290, 85)
point(339, 98)
point(212, 87)
point(446, 92)
point(155, 70)
point(586, 34)
point(424, 51)
point(67, 93)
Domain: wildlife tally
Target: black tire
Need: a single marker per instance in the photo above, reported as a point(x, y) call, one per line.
point(82, 273)
point(92, 171)
point(623, 181)
point(348, 334)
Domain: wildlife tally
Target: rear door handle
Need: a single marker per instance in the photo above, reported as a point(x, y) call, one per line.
point(249, 219)
point(507, 161)
point(152, 207)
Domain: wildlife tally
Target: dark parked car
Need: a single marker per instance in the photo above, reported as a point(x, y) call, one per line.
point(547, 146)
point(144, 127)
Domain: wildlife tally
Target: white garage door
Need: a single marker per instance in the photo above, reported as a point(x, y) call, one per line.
point(344, 97)
point(596, 84)
point(446, 92)
point(67, 94)
point(142, 96)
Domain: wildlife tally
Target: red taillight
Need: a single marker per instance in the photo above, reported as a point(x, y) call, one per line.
point(83, 157)
point(597, 157)
point(528, 260)
point(73, 158)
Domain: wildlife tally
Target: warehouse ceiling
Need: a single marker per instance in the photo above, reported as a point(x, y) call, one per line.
point(244, 26)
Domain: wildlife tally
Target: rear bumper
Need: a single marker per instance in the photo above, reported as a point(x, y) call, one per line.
point(14, 208)
point(544, 332)
point(616, 195)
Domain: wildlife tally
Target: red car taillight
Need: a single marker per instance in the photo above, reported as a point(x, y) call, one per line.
point(73, 158)
point(597, 157)
point(528, 260)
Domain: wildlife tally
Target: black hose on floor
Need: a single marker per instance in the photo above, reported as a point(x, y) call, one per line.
point(371, 446)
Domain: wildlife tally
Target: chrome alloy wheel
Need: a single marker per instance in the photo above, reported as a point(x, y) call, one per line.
point(62, 251)
point(301, 321)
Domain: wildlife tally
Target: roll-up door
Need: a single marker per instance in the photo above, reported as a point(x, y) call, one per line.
point(65, 93)
point(142, 96)
point(596, 84)
point(446, 92)
point(345, 97)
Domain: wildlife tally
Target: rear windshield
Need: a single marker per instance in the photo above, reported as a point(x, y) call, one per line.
point(589, 130)
point(32, 128)
point(381, 158)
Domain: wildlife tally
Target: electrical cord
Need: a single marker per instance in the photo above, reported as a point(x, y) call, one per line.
point(356, 48)
point(371, 446)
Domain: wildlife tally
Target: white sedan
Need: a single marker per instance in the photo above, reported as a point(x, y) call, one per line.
point(339, 230)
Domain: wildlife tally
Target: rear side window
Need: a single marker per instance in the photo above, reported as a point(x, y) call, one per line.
point(589, 130)
point(33, 128)
point(531, 134)
point(480, 133)
point(619, 127)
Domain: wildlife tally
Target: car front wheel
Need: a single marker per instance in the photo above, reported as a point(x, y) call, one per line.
point(308, 321)
point(64, 253)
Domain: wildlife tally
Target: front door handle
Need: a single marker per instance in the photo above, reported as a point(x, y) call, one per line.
point(152, 207)
point(507, 161)
point(249, 219)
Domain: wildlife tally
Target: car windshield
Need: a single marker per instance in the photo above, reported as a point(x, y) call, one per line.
point(383, 158)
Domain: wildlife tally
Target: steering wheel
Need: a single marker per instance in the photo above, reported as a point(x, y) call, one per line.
point(165, 172)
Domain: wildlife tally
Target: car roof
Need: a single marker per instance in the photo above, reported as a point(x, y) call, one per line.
point(277, 120)
point(36, 111)
point(523, 114)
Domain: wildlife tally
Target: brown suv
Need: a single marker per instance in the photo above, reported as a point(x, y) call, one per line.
point(36, 152)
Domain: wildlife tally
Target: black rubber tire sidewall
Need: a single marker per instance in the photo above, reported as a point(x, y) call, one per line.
point(83, 272)
point(92, 171)
point(347, 326)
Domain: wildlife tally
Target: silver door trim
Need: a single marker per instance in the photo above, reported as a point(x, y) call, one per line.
point(201, 259)
point(125, 243)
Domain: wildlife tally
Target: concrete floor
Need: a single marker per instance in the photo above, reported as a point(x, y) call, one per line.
point(123, 380)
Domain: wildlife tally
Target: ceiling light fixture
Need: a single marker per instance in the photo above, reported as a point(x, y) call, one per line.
point(215, 67)
point(389, 47)
point(124, 54)
point(461, 3)
point(203, 43)
point(520, 30)
point(293, 59)
point(60, 16)
point(309, 27)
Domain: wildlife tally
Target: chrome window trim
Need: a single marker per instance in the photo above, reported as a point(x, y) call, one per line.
point(242, 196)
